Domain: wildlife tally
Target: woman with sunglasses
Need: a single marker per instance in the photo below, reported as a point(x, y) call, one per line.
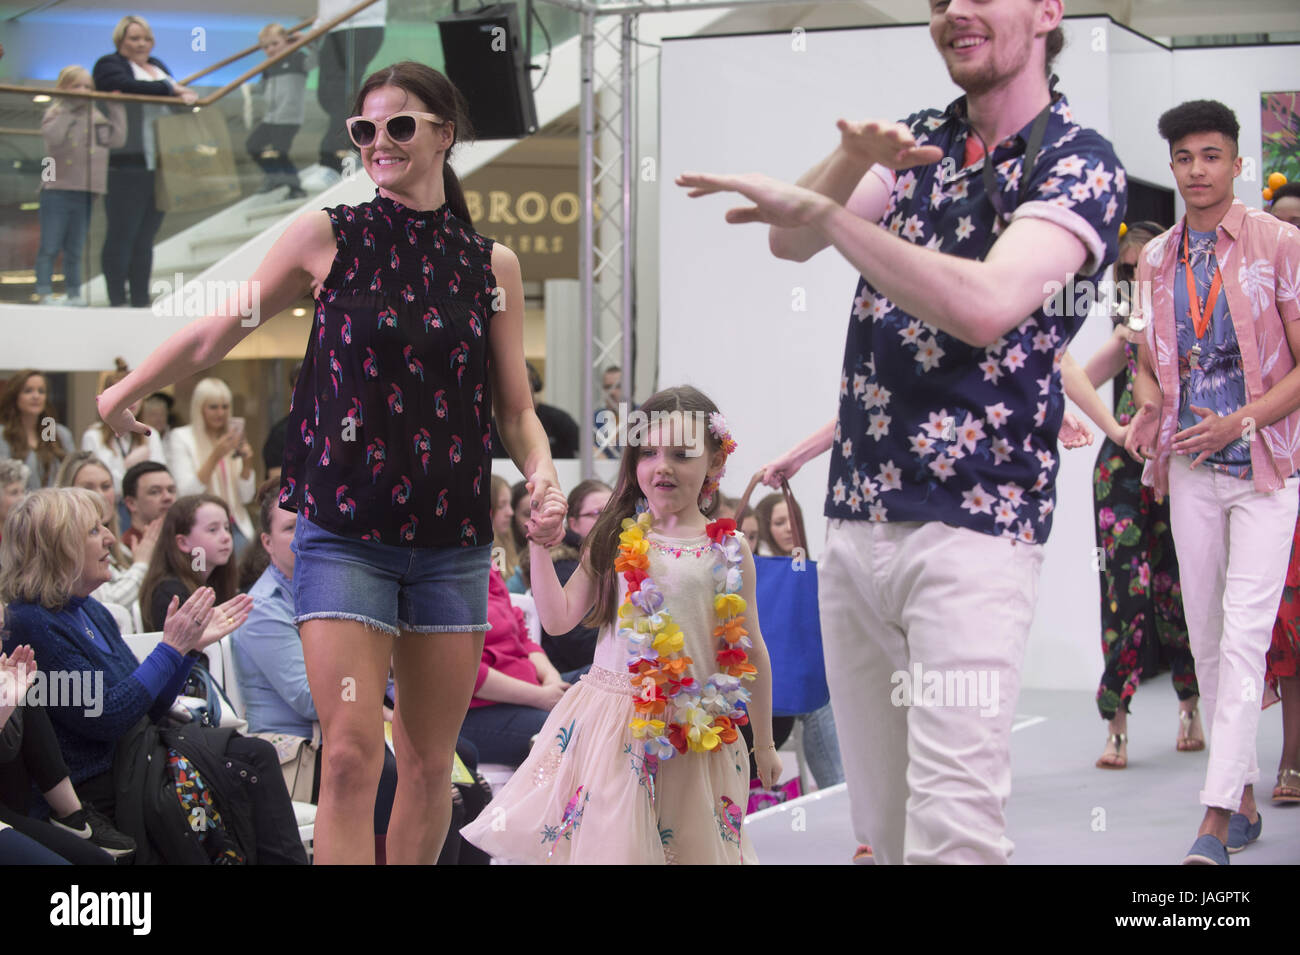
point(417, 342)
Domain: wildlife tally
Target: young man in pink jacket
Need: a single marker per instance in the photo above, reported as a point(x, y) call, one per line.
point(1221, 362)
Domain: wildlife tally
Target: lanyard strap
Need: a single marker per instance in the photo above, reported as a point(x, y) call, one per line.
point(1200, 313)
point(1034, 144)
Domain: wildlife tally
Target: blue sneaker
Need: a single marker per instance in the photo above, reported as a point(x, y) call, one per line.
point(1207, 850)
point(1242, 832)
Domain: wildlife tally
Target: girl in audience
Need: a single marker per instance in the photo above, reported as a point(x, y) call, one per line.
point(519, 506)
point(212, 455)
point(505, 556)
point(56, 554)
point(28, 431)
point(126, 571)
point(119, 454)
point(195, 551)
point(573, 651)
point(77, 140)
point(821, 745)
point(648, 767)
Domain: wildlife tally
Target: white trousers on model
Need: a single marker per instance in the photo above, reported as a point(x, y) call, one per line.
point(1234, 544)
point(924, 627)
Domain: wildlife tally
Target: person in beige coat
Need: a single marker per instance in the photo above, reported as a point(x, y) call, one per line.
point(74, 170)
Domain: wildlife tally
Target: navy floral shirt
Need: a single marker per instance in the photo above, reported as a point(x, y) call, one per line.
point(389, 433)
point(931, 428)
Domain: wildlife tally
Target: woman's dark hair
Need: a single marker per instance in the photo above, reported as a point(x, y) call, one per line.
point(49, 454)
point(763, 511)
point(169, 561)
point(1290, 190)
point(1199, 116)
point(439, 96)
point(601, 544)
point(256, 559)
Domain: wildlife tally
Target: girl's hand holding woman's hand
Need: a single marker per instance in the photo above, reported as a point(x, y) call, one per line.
point(546, 519)
point(185, 623)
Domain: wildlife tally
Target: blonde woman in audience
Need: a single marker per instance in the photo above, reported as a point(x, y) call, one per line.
point(212, 455)
point(126, 570)
point(120, 454)
point(28, 430)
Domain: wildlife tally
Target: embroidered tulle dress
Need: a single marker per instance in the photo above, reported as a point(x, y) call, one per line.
point(583, 795)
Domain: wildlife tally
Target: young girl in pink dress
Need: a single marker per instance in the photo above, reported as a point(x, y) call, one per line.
point(642, 761)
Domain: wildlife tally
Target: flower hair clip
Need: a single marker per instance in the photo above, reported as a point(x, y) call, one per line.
point(718, 428)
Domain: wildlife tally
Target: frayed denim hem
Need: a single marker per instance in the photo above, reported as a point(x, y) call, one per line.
point(370, 622)
point(456, 628)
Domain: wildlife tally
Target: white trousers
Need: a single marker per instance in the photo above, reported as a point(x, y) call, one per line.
point(918, 618)
point(1234, 544)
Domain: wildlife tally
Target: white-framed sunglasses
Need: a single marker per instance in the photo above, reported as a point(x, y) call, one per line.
point(400, 127)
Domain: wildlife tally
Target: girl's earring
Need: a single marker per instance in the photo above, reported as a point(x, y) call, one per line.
point(642, 505)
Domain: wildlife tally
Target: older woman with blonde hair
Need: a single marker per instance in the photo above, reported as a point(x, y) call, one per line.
point(212, 455)
point(55, 554)
point(133, 214)
point(126, 568)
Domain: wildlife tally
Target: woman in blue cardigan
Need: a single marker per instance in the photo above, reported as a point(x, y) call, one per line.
point(55, 552)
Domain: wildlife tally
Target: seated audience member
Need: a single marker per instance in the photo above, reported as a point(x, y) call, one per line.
point(195, 550)
point(54, 557)
point(726, 507)
point(561, 430)
point(119, 454)
point(520, 505)
point(516, 687)
point(25, 419)
point(147, 491)
point(574, 651)
point(126, 569)
point(13, 487)
point(158, 412)
point(211, 455)
point(505, 556)
point(273, 447)
point(29, 754)
point(821, 746)
point(269, 662)
point(1285, 203)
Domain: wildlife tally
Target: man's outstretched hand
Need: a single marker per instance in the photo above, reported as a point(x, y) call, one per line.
point(774, 202)
point(889, 144)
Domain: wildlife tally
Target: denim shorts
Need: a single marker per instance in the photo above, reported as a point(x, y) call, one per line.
point(389, 588)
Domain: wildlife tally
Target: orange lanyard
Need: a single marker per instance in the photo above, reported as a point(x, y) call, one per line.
point(1200, 313)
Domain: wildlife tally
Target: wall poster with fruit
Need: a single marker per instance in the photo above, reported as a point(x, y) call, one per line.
point(1280, 126)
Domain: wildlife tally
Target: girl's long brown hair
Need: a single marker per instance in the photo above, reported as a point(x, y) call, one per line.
point(440, 96)
point(49, 454)
point(169, 561)
point(601, 544)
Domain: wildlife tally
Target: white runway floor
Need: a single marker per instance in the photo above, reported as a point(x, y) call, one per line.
point(1146, 814)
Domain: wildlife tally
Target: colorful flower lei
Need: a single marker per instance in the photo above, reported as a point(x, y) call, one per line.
point(675, 712)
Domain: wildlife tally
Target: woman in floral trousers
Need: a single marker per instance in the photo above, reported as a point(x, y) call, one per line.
point(1140, 594)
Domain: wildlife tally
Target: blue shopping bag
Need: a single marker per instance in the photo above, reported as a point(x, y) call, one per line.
point(786, 591)
point(787, 612)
